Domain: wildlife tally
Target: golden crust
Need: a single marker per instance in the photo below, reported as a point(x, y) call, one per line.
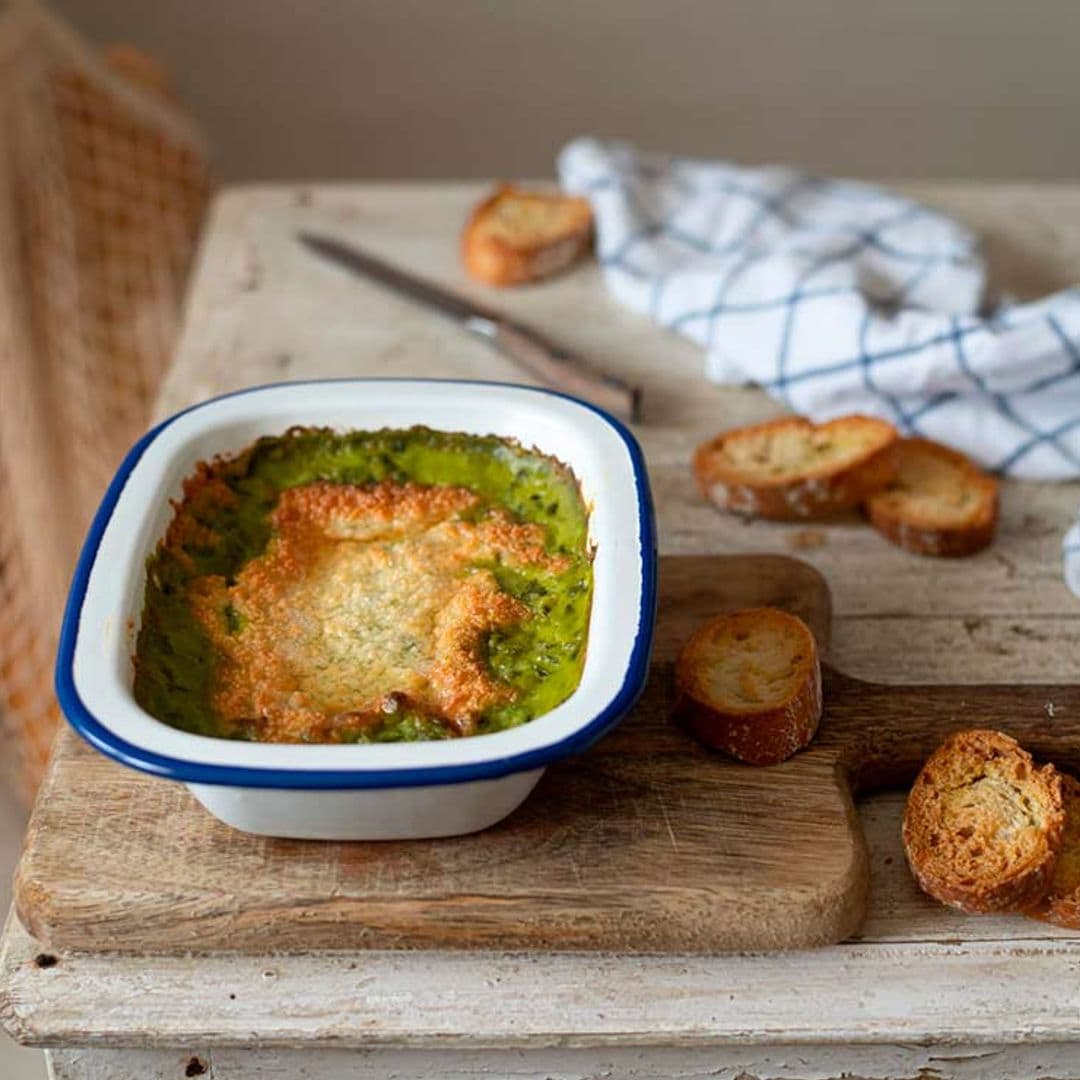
point(791, 468)
point(749, 684)
point(984, 826)
point(517, 236)
point(1061, 904)
point(366, 599)
point(940, 502)
point(204, 491)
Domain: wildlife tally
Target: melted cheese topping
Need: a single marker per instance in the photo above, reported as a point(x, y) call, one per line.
point(366, 600)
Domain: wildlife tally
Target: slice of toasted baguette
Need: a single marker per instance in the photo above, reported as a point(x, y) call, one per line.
point(939, 502)
point(1061, 905)
point(750, 684)
point(791, 468)
point(984, 826)
point(516, 236)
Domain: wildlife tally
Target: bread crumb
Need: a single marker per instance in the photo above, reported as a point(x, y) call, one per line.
point(805, 539)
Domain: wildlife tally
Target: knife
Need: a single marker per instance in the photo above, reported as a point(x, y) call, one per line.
point(534, 352)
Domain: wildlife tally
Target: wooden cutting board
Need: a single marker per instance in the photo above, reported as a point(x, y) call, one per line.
point(647, 843)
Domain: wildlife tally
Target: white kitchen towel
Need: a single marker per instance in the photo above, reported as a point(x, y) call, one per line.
point(839, 297)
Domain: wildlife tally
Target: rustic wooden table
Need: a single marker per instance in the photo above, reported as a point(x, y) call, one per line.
point(921, 989)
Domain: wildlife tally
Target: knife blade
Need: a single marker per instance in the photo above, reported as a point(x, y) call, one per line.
point(533, 351)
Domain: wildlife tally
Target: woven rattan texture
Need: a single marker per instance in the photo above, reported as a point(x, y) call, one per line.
point(103, 185)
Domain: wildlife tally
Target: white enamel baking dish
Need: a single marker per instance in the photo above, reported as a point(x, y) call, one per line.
point(361, 792)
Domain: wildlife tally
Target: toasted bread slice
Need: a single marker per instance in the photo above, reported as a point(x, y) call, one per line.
point(750, 684)
point(791, 468)
point(516, 236)
point(939, 503)
point(1061, 905)
point(984, 826)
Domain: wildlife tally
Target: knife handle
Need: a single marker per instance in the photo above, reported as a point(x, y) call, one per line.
point(565, 371)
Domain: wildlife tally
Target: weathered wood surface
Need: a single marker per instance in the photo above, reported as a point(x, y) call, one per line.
point(914, 994)
point(577, 867)
point(751, 858)
point(713, 1063)
point(261, 311)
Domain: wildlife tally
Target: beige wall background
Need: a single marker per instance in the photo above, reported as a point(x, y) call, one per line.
point(463, 88)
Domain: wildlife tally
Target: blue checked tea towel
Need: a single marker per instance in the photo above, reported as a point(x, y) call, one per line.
point(838, 297)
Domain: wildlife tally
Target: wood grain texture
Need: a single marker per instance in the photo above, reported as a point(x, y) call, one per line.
point(260, 311)
point(772, 1063)
point(914, 994)
point(577, 867)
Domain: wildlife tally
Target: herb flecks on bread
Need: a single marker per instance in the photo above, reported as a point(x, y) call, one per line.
point(516, 236)
point(792, 468)
point(749, 684)
point(983, 826)
point(939, 503)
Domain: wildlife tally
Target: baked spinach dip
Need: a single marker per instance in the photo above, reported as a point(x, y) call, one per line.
point(367, 586)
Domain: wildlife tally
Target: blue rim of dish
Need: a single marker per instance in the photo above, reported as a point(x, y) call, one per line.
point(171, 768)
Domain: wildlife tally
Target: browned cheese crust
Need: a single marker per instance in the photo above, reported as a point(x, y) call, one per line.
point(792, 469)
point(1061, 905)
point(984, 826)
point(365, 598)
point(517, 236)
point(940, 502)
point(749, 684)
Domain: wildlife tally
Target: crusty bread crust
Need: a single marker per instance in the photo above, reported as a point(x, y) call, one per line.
point(1061, 904)
point(984, 826)
point(939, 503)
point(517, 236)
point(793, 469)
point(749, 684)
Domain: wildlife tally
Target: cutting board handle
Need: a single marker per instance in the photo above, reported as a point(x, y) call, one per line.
point(909, 722)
